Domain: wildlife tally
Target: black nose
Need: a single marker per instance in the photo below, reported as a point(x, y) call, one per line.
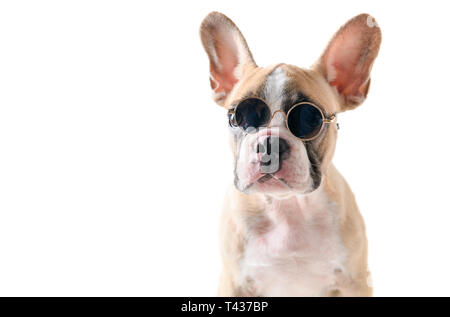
point(274, 150)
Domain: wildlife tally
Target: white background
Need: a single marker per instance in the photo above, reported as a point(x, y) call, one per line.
point(114, 158)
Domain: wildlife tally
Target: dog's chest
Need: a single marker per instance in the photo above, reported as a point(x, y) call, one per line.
point(293, 251)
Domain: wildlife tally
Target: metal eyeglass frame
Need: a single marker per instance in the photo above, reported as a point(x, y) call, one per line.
point(325, 120)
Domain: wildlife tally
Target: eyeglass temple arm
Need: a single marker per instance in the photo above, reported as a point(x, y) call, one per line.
point(332, 119)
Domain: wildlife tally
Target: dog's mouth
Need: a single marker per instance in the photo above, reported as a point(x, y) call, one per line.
point(271, 177)
point(264, 178)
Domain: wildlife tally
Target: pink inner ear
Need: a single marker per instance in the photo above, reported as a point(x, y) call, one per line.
point(346, 57)
point(227, 60)
point(349, 58)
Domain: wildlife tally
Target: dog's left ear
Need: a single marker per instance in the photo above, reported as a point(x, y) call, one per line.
point(229, 55)
point(348, 59)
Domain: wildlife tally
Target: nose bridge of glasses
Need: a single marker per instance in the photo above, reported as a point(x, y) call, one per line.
point(274, 118)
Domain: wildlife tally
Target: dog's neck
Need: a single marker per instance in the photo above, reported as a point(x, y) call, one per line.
point(297, 206)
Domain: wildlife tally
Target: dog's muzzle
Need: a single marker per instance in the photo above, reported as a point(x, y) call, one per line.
point(272, 150)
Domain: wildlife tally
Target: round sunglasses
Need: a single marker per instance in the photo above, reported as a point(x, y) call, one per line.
point(304, 120)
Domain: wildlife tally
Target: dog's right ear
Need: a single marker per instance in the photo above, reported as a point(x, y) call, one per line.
point(229, 55)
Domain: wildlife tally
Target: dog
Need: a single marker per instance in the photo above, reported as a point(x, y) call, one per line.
point(290, 224)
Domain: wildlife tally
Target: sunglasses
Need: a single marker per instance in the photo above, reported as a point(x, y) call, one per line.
point(304, 120)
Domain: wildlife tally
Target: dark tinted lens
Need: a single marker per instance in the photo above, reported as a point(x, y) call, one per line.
point(305, 121)
point(252, 113)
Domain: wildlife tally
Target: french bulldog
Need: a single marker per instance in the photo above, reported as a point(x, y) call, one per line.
point(290, 224)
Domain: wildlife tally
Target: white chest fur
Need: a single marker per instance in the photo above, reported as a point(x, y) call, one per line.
point(294, 249)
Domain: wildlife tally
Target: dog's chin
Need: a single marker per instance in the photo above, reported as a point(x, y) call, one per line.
point(272, 185)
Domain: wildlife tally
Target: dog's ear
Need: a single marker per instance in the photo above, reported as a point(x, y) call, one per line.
point(348, 59)
point(229, 55)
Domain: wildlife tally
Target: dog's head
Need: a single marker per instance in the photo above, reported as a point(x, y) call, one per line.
point(337, 82)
